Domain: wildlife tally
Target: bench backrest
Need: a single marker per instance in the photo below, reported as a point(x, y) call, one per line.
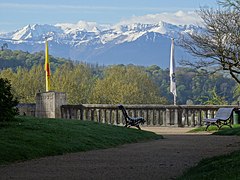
point(126, 117)
point(224, 113)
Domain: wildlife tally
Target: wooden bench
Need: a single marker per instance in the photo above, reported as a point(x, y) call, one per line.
point(131, 121)
point(222, 117)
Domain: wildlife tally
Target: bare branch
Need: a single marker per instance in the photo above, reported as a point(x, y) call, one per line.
point(218, 43)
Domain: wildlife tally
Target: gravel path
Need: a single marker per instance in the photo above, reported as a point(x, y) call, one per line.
point(159, 159)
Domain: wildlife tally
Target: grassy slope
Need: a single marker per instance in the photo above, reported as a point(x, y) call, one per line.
point(220, 167)
point(29, 138)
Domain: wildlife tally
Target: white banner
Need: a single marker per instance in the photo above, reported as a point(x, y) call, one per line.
point(172, 71)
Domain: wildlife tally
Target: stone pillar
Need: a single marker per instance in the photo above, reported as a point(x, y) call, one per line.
point(168, 117)
point(48, 104)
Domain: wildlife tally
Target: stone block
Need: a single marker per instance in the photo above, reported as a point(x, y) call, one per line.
point(48, 104)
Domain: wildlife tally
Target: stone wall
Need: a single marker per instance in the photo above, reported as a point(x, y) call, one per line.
point(27, 109)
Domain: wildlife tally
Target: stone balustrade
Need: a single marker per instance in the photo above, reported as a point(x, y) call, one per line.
point(155, 115)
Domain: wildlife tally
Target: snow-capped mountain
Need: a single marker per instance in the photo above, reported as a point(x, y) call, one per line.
point(136, 43)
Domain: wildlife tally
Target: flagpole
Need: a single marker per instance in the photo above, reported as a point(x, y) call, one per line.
point(47, 66)
point(172, 74)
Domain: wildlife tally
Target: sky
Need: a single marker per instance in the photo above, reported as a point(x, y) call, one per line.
point(15, 14)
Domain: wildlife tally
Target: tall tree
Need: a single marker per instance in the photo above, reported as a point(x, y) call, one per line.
point(218, 43)
point(8, 102)
point(76, 80)
point(25, 83)
point(127, 85)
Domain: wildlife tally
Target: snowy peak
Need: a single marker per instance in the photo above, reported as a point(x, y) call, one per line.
point(139, 43)
point(36, 32)
point(91, 30)
point(161, 27)
point(80, 26)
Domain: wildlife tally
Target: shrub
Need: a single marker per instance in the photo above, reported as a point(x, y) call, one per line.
point(8, 102)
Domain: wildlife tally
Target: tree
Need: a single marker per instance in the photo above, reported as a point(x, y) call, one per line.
point(4, 46)
point(7, 101)
point(74, 79)
point(218, 43)
point(126, 85)
point(212, 98)
point(161, 79)
point(25, 83)
point(234, 4)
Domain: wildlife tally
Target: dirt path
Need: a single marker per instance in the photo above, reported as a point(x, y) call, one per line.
point(160, 159)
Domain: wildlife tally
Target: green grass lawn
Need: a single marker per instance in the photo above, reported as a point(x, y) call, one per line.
point(29, 138)
point(215, 129)
point(220, 167)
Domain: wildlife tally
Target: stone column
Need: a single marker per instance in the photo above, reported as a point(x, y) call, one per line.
point(48, 104)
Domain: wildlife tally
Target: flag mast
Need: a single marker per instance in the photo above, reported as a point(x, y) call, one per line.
point(47, 66)
point(172, 74)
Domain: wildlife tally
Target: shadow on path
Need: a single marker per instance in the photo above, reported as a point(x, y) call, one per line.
point(159, 159)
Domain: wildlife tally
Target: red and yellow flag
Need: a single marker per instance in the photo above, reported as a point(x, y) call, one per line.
point(47, 67)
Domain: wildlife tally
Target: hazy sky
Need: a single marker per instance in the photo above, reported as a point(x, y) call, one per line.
point(15, 14)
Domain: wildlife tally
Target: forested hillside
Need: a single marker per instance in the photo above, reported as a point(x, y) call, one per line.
point(14, 59)
point(127, 84)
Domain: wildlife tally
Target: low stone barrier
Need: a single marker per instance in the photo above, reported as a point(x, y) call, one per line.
point(155, 115)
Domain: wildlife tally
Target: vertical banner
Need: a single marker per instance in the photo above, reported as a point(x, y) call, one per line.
point(172, 73)
point(47, 67)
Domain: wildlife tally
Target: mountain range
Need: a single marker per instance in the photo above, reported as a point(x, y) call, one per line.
point(136, 43)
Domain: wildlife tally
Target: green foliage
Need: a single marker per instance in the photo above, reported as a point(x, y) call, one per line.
point(229, 131)
point(212, 98)
point(225, 130)
point(15, 59)
point(220, 167)
point(26, 83)
point(91, 83)
point(76, 80)
point(236, 94)
point(127, 85)
point(7, 101)
point(28, 138)
point(161, 79)
point(194, 85)
point(203, 88)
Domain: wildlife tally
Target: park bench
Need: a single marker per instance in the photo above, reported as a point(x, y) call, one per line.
point(223, 117)
point(131, 121)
